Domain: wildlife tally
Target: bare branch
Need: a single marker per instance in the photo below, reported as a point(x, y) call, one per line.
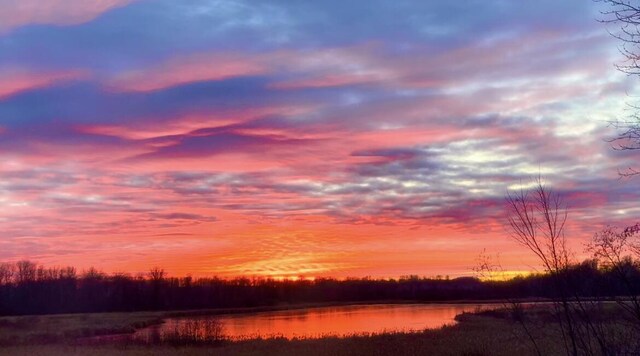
point(626, 15)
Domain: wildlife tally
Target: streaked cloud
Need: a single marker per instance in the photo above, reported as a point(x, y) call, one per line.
point(14, 80)
point(52, 12)
point(179, 71)
point(318, 138)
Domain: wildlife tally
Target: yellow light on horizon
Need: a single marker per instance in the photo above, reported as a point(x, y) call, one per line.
point(505, 275)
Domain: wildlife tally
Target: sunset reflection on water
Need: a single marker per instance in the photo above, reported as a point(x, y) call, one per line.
point(339, 321)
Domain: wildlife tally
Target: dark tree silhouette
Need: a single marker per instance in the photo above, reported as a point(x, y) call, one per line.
point(6, 273)
point(25, 271)
point(615, 249)
point(61, 290)
point(537, 219)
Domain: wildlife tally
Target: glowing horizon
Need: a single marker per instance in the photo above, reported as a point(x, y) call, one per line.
point(312, 139)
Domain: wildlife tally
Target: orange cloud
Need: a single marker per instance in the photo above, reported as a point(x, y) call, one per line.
point(16, 13)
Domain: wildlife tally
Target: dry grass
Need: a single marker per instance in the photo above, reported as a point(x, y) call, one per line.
point(67, 327)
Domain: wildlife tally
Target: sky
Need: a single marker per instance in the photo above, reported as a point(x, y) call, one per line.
point(314, 138)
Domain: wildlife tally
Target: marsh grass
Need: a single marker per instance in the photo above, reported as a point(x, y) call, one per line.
point(202, 331)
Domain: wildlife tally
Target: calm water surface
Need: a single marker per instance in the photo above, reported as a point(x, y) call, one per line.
point(340, 321)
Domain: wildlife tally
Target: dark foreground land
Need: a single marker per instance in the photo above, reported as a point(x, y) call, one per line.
point(485, 333)
point(476, 336)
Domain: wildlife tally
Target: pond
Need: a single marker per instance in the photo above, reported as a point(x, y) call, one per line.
point(323, 321)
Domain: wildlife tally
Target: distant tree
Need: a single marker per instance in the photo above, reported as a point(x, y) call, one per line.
point(156, 274)
point(6, 273)
point(92, 274)
point(625, 15)
point(92, 290)
point(157, 278)
point(68, 273)
point(25, 271)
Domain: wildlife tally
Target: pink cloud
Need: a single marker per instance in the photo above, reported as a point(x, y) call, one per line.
point(16, 13)
point(16, 80)
point(183, 70)
point(312, 69)
point(147, 128)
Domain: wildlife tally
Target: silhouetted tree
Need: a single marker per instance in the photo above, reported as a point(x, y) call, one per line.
point(60, 290)
point(25, 271)
point(615, 250)
point(156, 277)
point(6, 273)
point(156, 274)
point(537, 219)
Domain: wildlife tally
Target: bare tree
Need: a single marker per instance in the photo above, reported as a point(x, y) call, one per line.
point(625, 15)
point(7, 271)
point(156, 274)
point(157, 278)
point(537, 218)
point(614, 249)
point(25, 271)
point(92, 274)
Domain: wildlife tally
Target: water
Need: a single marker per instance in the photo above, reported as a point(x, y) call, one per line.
point(338, 321)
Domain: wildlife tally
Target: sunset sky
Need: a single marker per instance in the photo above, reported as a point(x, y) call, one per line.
point(316, 138)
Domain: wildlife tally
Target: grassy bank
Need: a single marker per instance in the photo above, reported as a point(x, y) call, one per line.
point(475, 336)
point(65, 328)
point(38, 329)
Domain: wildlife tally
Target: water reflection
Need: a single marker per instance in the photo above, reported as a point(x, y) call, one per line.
point(316, 322)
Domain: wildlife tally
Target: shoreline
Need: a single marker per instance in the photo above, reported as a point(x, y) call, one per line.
point(279, 307)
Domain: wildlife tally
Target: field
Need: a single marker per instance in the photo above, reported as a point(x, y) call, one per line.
point(475, 334)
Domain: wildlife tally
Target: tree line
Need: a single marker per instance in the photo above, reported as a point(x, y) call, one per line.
point(27, 288)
